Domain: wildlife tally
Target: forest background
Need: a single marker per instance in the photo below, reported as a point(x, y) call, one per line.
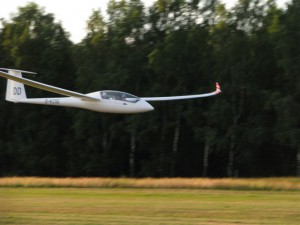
point(174, 47)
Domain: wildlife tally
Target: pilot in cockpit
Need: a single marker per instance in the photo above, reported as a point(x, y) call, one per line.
point(104, 95)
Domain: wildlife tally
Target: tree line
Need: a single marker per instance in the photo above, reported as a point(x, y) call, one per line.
point(173, 47)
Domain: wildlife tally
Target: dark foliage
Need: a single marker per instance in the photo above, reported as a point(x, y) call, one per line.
point(172, 48)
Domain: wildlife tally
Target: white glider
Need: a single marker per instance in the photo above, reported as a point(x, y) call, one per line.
point(101, 101)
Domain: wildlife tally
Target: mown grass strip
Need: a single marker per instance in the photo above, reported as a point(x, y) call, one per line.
point(121, 206)
point(275, 184)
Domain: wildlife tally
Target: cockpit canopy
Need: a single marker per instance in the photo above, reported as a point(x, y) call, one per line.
point(118, 95)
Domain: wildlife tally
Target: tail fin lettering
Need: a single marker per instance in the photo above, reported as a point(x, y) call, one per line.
point(15, 91)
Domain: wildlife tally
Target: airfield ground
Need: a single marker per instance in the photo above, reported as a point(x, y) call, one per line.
point(145, 206)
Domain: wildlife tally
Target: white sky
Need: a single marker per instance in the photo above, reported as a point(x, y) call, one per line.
point(73, 14)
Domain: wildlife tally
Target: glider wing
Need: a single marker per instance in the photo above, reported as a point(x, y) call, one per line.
point(170, 98)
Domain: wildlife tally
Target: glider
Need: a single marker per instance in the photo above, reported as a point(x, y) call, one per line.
point(107, 101)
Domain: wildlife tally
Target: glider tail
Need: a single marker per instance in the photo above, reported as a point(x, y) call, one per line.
point(15, 91)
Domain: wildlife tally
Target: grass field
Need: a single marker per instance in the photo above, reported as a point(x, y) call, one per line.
point(142, 206)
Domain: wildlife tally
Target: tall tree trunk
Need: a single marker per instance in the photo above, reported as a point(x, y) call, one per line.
point(106, 142)
point(231, 158)
point(162, 146)
point(237, 102)
point(106, 145)
point(132, 154)
point(298, 162)
point(205, 159)
point(175, 146)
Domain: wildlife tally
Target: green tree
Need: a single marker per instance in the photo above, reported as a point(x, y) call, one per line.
point(287, 102)
point(33, 41)
point(111, 52)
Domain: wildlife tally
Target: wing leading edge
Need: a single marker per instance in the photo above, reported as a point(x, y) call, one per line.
point(171, 98)
point(45, 87)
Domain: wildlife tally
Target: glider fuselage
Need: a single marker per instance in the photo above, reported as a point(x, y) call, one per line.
point(108, 105)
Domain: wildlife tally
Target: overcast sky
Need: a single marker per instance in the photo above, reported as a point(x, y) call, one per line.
point(73, 14)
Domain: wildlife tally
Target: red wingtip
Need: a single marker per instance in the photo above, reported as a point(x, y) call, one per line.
point(218, 89)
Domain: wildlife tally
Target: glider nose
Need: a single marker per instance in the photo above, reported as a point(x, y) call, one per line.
point(149, 107)
point(145, 106)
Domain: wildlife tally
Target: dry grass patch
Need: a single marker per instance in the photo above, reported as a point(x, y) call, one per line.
point(290, 184)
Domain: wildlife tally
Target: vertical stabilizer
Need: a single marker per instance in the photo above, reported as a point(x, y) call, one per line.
point(15, 91)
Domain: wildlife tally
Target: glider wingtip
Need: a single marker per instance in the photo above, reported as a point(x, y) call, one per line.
point(218, 88)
